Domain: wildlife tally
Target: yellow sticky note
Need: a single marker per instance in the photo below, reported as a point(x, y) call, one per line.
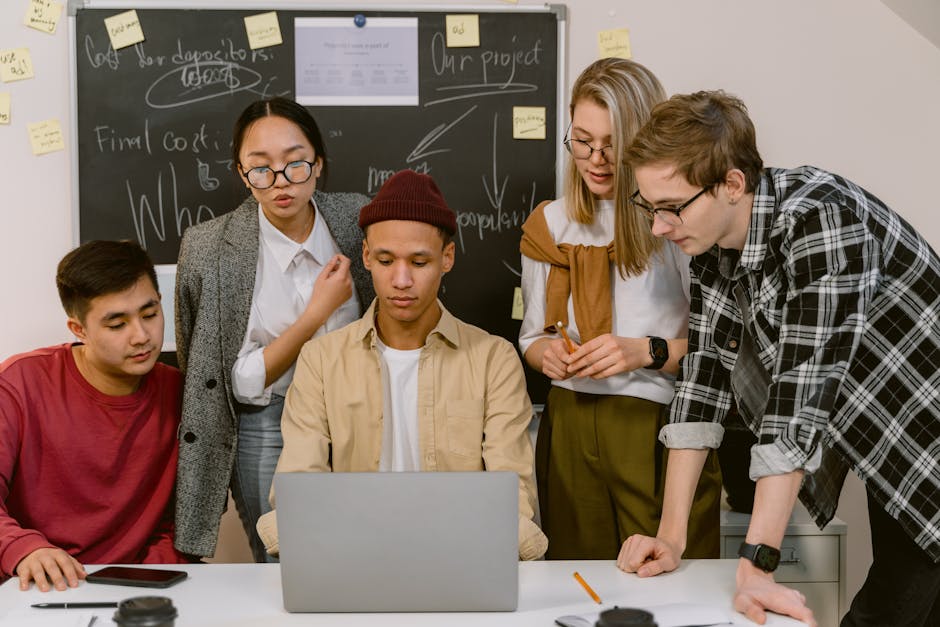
point(124, 29)
point(46, 136)
point(463, 31)
point(43, 15)
point(614, 43)
point(517, 304)
point(15, 64)
point(528, 122)
point(4, 108)
point(263, 30)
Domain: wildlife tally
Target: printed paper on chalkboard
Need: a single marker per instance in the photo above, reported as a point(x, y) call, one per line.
point(15, 65)
point(339, 63)
point(263, 30)
point(528, 122)
point(46, 136)
point(614, 43)
point(43, 15)
point(124, 29)
point(4, 108)
point(463, 31)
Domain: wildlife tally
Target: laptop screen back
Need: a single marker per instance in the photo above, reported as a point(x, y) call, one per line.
point(398, 541)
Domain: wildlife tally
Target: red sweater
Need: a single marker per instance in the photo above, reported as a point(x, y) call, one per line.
point(83, 471)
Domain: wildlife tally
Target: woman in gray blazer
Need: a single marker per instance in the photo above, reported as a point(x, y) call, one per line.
point(252, 286)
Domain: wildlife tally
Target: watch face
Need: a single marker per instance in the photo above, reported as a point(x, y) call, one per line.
point(766, 558)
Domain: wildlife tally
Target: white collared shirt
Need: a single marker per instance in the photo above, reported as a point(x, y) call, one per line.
point(283, 284)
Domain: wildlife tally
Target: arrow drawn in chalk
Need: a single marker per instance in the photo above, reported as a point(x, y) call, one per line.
point(495, 196)
point(421, 150)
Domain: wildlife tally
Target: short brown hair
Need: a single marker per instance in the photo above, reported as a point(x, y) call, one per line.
point(704, 135)
point(97, 268)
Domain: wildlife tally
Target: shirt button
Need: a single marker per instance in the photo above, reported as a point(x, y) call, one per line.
point(189, 437)
point(211, 383)
point(733, 344)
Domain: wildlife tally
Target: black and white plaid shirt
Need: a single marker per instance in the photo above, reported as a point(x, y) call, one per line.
point(844, 303)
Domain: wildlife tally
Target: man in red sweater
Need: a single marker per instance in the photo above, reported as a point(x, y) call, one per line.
point(88, 442)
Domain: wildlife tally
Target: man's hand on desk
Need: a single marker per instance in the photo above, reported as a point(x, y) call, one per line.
point(49, 564)
point(648, 556)
point(758, 592)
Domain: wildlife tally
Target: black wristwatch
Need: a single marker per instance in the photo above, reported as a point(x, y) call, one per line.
point(659, 351)
point(767, 558)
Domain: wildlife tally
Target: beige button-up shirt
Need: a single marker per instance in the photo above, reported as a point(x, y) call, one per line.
point(473, 411)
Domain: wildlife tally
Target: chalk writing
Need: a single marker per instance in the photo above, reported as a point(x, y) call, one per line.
point(148, 218)
point(422, 149)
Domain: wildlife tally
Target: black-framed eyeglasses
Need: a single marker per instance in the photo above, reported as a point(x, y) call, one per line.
point(669, 215)
point(581, 149)
point(263, 177)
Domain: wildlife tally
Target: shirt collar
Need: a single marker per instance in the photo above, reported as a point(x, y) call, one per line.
point(734, 264)
point(284, 249)
point(446, 328)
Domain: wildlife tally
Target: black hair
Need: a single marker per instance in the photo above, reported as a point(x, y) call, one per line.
point(289, 110)
point(97, 268)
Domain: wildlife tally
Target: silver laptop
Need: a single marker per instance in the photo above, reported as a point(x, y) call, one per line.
point(398, 541)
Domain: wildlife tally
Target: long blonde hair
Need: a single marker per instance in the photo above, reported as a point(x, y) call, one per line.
point(629, 92)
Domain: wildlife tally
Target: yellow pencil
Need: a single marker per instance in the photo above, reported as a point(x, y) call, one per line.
point(585, 585)
point(561, 329)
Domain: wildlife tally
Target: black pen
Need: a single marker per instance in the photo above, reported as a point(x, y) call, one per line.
point(70, 606)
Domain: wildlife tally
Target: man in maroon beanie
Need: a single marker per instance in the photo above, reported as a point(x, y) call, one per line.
point(409, 387)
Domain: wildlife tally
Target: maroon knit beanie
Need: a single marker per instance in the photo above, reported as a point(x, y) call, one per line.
point(408, 195)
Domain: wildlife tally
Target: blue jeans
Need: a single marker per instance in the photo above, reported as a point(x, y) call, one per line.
point(259, 447)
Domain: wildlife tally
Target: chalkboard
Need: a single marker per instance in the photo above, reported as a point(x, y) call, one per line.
point(154, 133)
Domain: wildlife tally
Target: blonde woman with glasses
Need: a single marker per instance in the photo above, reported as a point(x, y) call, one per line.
point(622, 295)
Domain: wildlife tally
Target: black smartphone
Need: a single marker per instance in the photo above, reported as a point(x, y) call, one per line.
point(133, 576)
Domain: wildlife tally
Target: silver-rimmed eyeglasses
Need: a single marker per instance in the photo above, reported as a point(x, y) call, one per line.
point(263, 177)
point(669, 215)
point(581, 149)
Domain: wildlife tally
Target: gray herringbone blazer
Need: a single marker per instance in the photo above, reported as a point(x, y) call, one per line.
point(215, 280)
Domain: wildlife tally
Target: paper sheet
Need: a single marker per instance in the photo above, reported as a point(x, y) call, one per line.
point(15, 64)
point(528, 122)
point(263, 30)
point(669, 615)
point(29, 617)
point(46, 136)
point(614, 43)
point(124, 29)
point(43, 15)
point(4, 108)
point(463, 31)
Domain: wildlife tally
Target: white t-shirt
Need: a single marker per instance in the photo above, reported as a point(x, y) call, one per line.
point(400, 451)
point(654, 303)
point(284, 279)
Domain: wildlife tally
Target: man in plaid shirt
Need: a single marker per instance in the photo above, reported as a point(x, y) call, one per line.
point(815, 308)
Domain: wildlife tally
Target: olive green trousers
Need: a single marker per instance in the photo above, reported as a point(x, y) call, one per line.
point(601, 472)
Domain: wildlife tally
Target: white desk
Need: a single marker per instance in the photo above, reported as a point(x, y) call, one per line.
point(249, 595)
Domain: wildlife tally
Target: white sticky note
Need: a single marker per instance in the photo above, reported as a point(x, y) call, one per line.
point(46, 136)
point(614, 43)
point(517, 310)
point(43, 15)
point(463, 31)
point(263, 30)
point(124, 29)
point(15, 64)
point(4, 108)
point(528, 122)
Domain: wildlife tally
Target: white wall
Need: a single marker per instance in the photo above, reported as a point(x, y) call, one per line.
point(843, 84)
